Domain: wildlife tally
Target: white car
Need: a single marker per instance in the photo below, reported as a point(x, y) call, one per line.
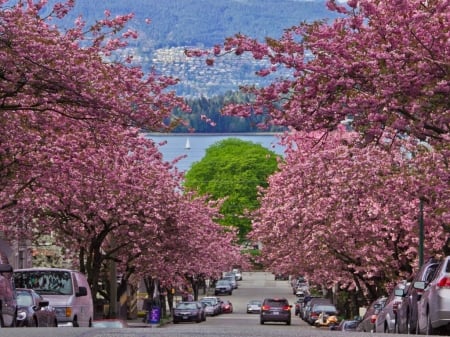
point(238, 274)
point(212, 305)
point(254, 307)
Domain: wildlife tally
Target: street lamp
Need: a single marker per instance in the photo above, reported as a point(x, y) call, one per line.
point(422, 200)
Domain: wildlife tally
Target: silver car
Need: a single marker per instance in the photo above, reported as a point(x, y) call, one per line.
point(386, 320)
point(433, 308)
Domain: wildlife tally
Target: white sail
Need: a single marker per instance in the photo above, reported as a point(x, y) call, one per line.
point(188, 144)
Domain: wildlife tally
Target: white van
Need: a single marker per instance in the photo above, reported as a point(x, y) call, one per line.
point(67, 291)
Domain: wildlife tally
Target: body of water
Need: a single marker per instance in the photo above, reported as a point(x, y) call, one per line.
point(194, 145)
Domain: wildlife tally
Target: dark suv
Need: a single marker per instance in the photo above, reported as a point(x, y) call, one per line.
point(275, 310)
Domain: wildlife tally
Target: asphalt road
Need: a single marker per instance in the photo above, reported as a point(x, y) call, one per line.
point(255, 285)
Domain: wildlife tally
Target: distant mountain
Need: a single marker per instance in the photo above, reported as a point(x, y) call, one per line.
point(179, 24)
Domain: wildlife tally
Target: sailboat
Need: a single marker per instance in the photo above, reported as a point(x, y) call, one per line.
point(188, 144)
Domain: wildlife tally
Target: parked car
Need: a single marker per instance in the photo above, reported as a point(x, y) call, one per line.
point(68, 291)
point(387, 318)
point(33, 310)
point(114, 323)
point(238, 274)
point(188, 312)
point(223, 287)
point(306, 315)
point(227, 307)
point(8, 303)
point(367, 323)
point(346, 325)
point(407, 309)
point(275, 310)
point(433, 307)
point(298, 306)
point(212, 305)
point(254, 307)
point(281, 277)
point(232, 279)
point(318, 309)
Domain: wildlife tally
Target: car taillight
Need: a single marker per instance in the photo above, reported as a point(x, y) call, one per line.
point(373, 319)
point(265, 307)
point(314, 314)
point(286, 307)
point(444, 282)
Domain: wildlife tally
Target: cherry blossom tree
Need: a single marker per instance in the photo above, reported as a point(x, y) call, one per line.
point(346, 214)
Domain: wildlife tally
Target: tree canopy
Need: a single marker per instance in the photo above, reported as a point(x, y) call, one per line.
point(232, 170)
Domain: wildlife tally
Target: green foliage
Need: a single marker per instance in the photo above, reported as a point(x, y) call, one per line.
point(232, 169)
point(211, 108)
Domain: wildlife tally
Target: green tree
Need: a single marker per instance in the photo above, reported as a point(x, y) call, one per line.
point(232, 169)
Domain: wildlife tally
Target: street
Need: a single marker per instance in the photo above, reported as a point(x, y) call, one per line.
point(255, 285)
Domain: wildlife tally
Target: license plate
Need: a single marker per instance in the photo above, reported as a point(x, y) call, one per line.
point(185, 317)
point(276, 313)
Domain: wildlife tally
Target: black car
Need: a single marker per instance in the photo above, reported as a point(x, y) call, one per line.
point(33, 310)
point(275, 310)
point(188, 312)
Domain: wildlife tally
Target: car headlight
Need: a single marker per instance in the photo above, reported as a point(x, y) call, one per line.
point(63, 311)
point(21, 314)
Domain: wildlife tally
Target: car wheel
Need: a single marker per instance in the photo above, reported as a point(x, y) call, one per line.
point(261, 321)
point(288, 322)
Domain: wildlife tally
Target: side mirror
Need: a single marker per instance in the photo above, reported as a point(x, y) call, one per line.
point(43, 304)
point(400, 292)
point(419, 285)
point(82, 291)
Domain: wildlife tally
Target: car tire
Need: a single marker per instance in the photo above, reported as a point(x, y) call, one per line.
point(261, 322)
point(288, 322)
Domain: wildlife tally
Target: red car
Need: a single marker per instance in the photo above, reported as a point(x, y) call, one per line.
point(227, 307)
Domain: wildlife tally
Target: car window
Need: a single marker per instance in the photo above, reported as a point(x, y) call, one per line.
point(276, 303)
point(186, 306)
point(324, 308)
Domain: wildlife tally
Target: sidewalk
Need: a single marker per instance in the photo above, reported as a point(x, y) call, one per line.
point(139, 323)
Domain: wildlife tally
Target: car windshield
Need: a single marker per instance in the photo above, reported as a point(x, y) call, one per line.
point(324, 308)
point(277, 303)
point(255, 302)
point(44, 282)
point(223, 283)
point(24, 299)
point(186, 306)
